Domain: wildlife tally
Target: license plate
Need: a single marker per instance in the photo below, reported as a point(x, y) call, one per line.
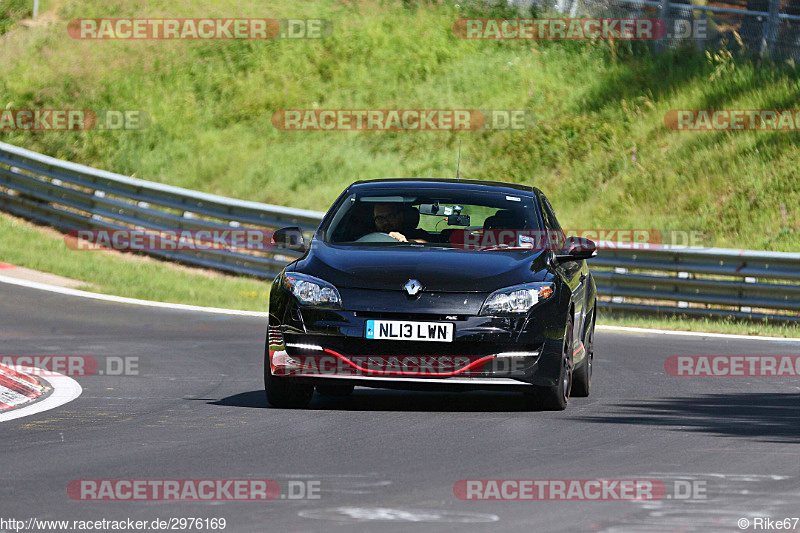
point(401, 330)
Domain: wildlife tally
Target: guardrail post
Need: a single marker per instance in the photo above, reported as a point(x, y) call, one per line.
point(573, 11)
point(683, 275)
point(663, 16)
point(700, 37)
point(746, 308)
point(770, 30)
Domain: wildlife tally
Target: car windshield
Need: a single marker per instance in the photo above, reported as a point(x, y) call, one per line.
point(431, 217)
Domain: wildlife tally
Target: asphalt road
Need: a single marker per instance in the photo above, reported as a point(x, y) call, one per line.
point(386, 460)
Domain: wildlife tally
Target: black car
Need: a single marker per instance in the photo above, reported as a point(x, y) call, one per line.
point(433, 284)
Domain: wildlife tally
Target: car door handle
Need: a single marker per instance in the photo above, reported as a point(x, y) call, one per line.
point(583, 277)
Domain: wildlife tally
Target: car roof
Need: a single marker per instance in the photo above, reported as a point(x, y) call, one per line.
point(473, 185)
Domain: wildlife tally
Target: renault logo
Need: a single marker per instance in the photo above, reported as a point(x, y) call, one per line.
point(412, 287)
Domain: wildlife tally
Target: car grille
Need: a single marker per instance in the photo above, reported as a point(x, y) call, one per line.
point(380, 347)
point(425, 317)
point(275, 335)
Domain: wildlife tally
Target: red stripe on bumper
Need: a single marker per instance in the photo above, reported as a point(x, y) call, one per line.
point(408, 373)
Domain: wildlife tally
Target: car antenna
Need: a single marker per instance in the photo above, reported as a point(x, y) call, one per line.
point(458, 165)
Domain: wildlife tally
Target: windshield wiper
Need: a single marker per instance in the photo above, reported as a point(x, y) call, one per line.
point(503, 247)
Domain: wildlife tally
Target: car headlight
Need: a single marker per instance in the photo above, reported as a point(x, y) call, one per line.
point(516, 299)
point(312, 291)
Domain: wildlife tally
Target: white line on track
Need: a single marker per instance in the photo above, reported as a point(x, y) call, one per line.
point(626, 329)
point(65, 389)
point(122, 300)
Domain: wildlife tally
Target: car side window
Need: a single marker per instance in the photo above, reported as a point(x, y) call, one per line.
point(555, 233)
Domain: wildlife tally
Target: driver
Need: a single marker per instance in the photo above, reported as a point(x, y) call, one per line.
point(390, 217)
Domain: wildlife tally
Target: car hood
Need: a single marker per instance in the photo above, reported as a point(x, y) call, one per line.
point(437, 269)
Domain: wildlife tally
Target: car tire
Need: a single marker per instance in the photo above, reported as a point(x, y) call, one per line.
point(556, 397)
point(284, 392)
point(582, 378)
point(337, 391)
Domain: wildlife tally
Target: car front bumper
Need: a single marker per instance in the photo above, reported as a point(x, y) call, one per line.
point(487, 352)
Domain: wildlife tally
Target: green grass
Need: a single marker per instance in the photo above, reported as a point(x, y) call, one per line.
point(24, 244)
point(13, 10)
point(599, 148)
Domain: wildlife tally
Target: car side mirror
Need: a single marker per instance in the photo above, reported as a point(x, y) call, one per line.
point(290, 238)
point(576, 249)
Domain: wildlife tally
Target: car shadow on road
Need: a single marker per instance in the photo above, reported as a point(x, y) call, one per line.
point(771, 417)
point(394, 400)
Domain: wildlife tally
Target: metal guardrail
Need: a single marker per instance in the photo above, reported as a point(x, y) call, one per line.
point(68, 196)
point(772, 30)
point(718, 282)
point(767, 39)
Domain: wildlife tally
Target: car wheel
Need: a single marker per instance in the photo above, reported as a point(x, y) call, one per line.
point(555, 398)
point(338, 391)
point(284, 392)
point(582, 380)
